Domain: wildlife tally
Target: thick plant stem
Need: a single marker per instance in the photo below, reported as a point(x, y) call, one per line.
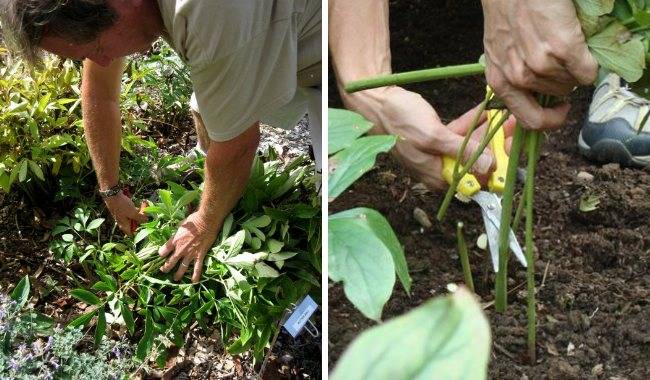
point(501, 292)
point(529, 192)
point(464, 257)
point(468, 165)
point(415, 76)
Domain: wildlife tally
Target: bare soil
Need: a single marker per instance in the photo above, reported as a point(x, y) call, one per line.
point(592, 268)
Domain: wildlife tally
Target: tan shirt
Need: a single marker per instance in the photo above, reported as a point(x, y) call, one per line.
point(245, 56)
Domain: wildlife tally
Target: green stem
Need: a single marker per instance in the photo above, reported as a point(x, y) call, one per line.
point(529, 189)
point(518, 213)
point(415, 76)
point(464, 258)
point(467, 166)
point(501, 291)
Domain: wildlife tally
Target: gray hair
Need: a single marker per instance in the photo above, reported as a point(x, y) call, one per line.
point(24, 22)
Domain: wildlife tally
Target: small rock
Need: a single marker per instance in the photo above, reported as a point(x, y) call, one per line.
point(560, 369)
point(585, 177)
point(286, 359)
point(521, 174)
point(422, 217)
point(597, 370)
point(550, 347)
point(570, 349)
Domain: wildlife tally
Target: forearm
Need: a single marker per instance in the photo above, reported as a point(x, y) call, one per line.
point(227, 171)
point(102, 122)
point(359, 42)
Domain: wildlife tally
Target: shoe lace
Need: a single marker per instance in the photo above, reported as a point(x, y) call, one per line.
point(623, 96)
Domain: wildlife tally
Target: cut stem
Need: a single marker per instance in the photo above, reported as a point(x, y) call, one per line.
point(529, 191)
point(464, 257)
point(415, 76)
point(501, 293)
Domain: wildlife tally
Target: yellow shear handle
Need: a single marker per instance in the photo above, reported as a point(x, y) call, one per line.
point(469, 185)
point(497, 180)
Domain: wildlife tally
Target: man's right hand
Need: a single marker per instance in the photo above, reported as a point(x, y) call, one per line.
point(535, 46)
point(124, 211)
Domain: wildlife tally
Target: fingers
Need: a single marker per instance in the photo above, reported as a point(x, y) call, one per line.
point(171, 261)
point(198, 269)
point(532, 115)
point(462, 124)
point(125, 225)
point(582, 65)
point(167, 248)
point(182, 268)
point(453, 144)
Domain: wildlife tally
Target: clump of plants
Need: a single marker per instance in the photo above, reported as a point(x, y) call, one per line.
point(32, 349)
point(617, 34)
point(266, 258)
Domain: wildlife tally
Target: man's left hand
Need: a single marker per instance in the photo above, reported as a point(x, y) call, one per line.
point(189, 245)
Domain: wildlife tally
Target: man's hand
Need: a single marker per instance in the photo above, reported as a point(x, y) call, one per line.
point(423, 138)
point(190, 244)
point(535, 46)
point(124, 211)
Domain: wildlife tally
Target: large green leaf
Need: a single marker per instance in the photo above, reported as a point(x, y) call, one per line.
point(446, 338)
point(364, 253)
point(613, 50)
point(85, 296)
point(343, 128)
point(350, 164)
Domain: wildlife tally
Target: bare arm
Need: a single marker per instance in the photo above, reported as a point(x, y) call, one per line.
point(227, 170)
point(100, 96)
point(360, 47)
point(359, 40)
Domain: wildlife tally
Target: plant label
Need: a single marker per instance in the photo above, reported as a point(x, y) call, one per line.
point(300, 316)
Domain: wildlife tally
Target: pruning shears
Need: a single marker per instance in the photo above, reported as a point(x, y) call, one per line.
point(490, 201)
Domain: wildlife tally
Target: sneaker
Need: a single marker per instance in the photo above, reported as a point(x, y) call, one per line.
point(617, 129)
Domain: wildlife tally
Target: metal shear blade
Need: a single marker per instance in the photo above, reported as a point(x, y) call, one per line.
point(491, 211)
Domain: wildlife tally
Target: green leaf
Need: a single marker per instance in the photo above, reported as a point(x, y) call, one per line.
point(446, 338)
point(22, 172)
point(95, 224)
point(145, 343)
point(350, 164)
point(281, 256)
point(344, 127)
point(33, 166)
point(614, 50)
point(83, 319)
point(141, 235)
point(594, 7)
point(100, 329)
point(101, 286)
point(274, 245)
point(264, 270)
point(364, 253)
point(20, 294)
point(127, 316)
point(85, 296)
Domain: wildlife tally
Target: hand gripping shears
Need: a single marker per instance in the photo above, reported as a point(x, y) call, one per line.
point(490, 201)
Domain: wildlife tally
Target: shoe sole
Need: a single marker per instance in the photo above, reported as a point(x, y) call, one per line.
point(610, 150)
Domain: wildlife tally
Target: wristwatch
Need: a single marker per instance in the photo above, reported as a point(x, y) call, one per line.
point(110, 192)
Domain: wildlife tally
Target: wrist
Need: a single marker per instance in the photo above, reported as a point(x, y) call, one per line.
point(110, 191)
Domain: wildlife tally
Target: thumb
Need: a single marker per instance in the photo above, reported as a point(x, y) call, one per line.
point(134, 214)
point(167, 248)
point(453, 144)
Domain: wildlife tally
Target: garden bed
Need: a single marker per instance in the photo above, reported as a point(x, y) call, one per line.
point(592, 272)
point(25, 235)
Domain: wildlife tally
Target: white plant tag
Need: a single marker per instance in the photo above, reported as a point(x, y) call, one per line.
point(300, 316)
